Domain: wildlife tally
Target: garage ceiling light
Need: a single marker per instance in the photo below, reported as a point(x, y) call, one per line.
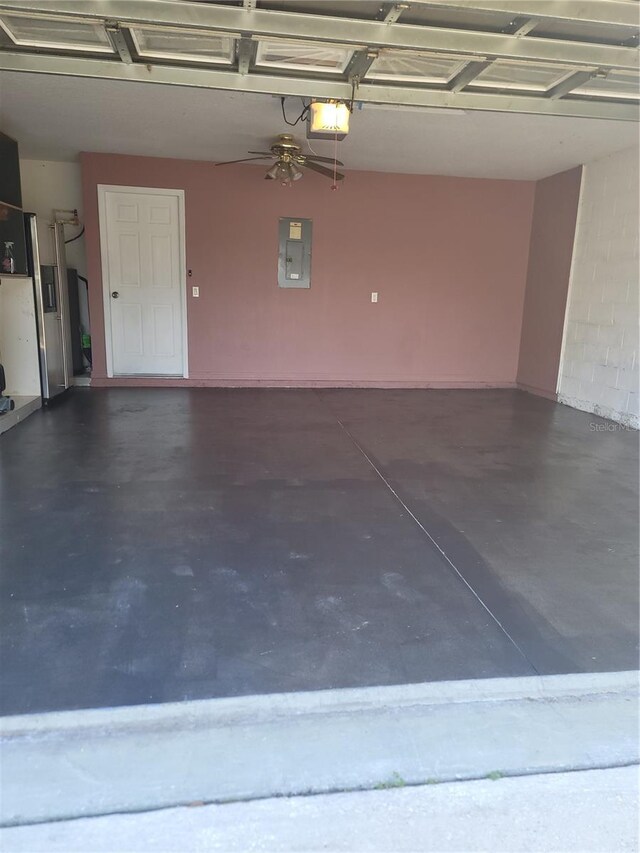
point(329, 118)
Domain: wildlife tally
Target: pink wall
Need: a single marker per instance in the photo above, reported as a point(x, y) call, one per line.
point(448, 257)
point(552, 232)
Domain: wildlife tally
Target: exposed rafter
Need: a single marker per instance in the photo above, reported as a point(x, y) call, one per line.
point(312, 88)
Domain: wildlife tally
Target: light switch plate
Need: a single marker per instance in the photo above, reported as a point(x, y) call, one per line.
point(195, 291)
point(374, 296)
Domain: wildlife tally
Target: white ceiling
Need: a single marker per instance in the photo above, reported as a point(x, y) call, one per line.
point(53, 118)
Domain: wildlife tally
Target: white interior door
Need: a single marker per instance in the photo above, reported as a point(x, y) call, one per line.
point(143, 278)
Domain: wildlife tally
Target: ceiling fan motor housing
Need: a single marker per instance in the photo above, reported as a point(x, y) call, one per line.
point(286, 147)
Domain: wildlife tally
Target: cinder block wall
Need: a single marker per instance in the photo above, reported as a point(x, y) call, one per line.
point(599, 366)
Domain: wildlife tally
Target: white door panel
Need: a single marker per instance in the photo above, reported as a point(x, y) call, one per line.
point(144, 287)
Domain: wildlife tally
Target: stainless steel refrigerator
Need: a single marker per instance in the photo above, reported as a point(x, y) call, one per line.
point(52, 308)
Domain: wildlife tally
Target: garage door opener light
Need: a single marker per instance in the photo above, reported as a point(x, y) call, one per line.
point(328, 120)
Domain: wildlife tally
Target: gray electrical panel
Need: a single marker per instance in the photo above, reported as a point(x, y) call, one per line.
point(294, 253)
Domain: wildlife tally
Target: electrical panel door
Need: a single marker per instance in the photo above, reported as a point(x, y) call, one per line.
point(294, 253)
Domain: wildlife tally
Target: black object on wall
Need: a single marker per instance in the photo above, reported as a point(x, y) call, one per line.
point(10, 189)
point(13, 252)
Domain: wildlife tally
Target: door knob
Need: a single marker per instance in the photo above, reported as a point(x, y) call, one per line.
point(115, 294)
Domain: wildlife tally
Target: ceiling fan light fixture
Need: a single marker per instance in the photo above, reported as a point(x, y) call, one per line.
point(296, 173)
point(284, 173)
point(290, 164)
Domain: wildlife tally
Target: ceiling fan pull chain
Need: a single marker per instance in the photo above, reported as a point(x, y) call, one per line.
point(334, 186)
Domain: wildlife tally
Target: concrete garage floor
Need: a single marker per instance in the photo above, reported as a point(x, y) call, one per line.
point(163, 545)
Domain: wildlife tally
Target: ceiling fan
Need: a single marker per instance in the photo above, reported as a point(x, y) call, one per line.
point(288, 157)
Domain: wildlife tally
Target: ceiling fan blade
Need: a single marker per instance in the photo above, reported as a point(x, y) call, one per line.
point(322, 159)
point(322, 170)
point(242, 160)
point(263, 153)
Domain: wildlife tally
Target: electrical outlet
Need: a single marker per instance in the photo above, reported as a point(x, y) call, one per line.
point(195, 291)
point(374, 297)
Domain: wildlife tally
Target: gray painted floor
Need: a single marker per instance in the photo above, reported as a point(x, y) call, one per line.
point(163, 545)
point(594, 810)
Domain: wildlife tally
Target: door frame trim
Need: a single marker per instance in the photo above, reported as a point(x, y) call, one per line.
point(103, 189)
